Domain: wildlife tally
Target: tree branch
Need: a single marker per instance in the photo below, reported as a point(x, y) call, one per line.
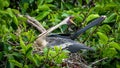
point(35, 23)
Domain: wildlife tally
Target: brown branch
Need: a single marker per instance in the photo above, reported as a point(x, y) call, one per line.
point(15, 44)
point(93, 63)
point(35, 23)
point(78, 63)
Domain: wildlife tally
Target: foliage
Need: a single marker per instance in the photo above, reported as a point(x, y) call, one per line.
point(17, 37)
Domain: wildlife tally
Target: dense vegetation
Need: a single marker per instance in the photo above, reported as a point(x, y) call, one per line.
point(17, 37)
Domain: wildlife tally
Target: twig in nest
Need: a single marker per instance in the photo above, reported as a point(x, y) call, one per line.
point(15, 44)
point(93, 63)
point(82, 65)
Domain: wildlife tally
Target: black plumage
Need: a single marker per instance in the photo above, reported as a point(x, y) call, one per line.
point(66, 41)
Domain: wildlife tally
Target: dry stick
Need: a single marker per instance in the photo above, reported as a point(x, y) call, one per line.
point(15, 44)
point(36, 24)
point(98, 61)
point(81, 64)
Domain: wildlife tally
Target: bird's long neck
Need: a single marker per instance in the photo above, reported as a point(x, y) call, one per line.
point(51, 29)
point(93, 23)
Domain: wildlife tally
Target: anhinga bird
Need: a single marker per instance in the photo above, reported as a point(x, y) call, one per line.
point(41, 40)
point(66, 42)
point(80, 31)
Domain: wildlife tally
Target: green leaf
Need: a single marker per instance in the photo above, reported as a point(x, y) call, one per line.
point(115, 45)
point(48, 1)
point(111, 18)
point(33, 60)
point(4, 3)
point(103, 38)
point(29, 50)
point(105, 29)
point(10, 12)
point(91, 17)
point(26, 66)
point(16, 11)
point(118, 64)
point(1, 56)
point(57, 49)
point(15, 20)
point(16, 63)
point(44, 7)
point(26, 6)
point(109, 52)
point(23, 45)
point(42, 15)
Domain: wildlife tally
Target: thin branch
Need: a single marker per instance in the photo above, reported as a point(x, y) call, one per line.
point(93, 63)
point(36, 24)
point(79, 63)
point(15, 44)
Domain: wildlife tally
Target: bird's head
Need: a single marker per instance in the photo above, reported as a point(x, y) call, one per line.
point(69, 20)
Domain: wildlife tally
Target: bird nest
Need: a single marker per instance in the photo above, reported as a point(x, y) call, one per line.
point(74, 60)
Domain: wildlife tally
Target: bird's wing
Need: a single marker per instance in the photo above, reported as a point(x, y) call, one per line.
point(67, 44)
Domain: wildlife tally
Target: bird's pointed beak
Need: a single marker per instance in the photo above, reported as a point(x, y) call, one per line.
point(71, 21)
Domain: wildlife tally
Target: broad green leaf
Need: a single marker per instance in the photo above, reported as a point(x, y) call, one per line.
point(16, 63)
point(13, 36)
point(16, 11)
point(40, 2)
point(23, 45)
point(105, 29)
point(91, 17)
point(40, 58)
point(17, 54)
point(52, 53)
point(48, 1)
point(80, 2)
point(111, 18)
point(57, 49)
point(33, 60)
point(118, 64)
point(26, 66)
point(4, 3)
point(87, 1)
point(44, 7)
point(68, 5)
point(109, 52)
point(1, 56)
point(10, 12)
point(42, 15)
point(26, 6)
point(15, 20)
point(29, 50)
point(115, 45)
point(103, 38)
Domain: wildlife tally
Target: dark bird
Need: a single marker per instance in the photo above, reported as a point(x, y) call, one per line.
point(80, 31)
point(66, 42)
point(42, 41)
